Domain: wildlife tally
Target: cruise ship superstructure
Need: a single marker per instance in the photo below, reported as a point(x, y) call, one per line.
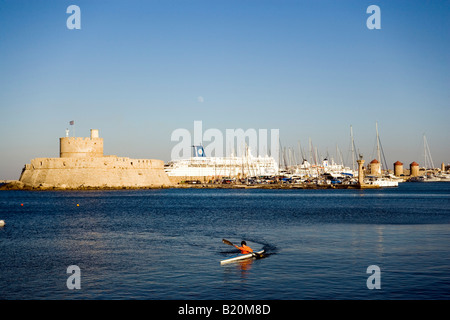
point(201, 166)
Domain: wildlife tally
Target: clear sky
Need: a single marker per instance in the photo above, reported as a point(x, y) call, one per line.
point(138, 70)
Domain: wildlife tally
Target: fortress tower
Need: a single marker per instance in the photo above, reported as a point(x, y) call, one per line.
point(72, 147)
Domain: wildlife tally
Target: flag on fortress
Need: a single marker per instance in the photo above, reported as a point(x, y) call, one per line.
point(72, 123)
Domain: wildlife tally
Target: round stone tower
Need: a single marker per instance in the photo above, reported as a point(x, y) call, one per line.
point(71, 147)
point(414, 169)
point(375, 168)
point(398, 168)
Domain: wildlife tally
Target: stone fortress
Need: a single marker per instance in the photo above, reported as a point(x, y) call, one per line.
point(82, 165)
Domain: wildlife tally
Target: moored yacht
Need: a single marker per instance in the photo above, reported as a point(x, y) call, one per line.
point(381, 181)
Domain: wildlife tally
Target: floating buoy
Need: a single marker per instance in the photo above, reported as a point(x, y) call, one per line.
point(78, 205)
point(2, 223)
point(21, 204)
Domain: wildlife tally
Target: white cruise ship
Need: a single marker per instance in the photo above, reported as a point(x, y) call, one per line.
point(215, 167)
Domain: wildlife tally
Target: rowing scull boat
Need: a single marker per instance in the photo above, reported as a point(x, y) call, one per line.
point(243, 256)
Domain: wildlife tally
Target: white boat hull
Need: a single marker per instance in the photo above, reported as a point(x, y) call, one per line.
point(241, 257)
point(382, 182)
point(386, 183)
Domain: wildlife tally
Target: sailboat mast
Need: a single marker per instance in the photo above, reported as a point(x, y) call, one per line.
point(378, 145)
point(310, 151)
point(353, 149)
point(428, 160)
point(425, 152)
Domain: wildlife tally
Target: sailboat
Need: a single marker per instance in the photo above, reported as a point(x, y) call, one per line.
point(429, 165)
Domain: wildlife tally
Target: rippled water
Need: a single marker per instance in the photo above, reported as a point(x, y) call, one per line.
point(167, 244)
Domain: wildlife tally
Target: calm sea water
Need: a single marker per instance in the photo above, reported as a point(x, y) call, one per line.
point(167, 244)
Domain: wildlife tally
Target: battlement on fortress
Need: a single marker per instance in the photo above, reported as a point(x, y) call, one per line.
point(79, 139)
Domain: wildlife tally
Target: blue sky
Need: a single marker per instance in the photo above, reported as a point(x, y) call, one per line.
point(136, 70)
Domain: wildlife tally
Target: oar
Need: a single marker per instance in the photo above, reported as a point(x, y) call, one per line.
point(231, 244)
point(227, 242)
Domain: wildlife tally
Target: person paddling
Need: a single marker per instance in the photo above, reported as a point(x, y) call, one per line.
point(244, 248)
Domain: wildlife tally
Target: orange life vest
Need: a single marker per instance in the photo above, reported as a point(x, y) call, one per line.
point(245, 249)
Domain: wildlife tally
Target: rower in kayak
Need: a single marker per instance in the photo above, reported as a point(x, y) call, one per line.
point(246, 251)
point(244, 248)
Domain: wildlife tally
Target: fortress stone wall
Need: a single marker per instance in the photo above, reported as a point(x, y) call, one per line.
point(82, 165)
